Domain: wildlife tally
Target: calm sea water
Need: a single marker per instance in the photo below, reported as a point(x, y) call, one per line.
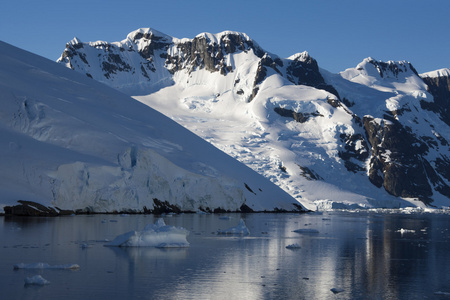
point(363, 255)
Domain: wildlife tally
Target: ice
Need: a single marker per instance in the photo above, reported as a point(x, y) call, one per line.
point(157, 235)
point(241, 228)
point(41, 265)
point(36, 280)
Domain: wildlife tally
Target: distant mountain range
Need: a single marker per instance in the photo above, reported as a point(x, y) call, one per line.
point(376, 135)
point(71, 144)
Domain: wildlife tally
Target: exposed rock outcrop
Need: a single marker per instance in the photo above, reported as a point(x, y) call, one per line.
point(34, 209)
point(439, 87)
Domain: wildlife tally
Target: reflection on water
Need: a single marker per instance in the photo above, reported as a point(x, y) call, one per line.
point(362, 255)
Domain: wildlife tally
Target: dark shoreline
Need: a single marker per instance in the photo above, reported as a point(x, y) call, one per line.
point(34, 209)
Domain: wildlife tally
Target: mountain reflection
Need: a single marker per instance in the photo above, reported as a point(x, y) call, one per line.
point(360, 255)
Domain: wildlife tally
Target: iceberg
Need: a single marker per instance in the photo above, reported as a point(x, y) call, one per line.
point(403, 231)
point(36, 280)
point(157, 235)
point(239, 229)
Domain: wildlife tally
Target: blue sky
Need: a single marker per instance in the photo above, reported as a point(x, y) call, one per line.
point(339, 34)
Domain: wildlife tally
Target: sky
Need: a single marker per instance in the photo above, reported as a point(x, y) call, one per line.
point(338, 34)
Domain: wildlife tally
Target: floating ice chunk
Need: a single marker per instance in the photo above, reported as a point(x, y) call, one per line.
point(307, 231)
point(36, 280)
point(293, 246)
point(239, 229)
point(157, 235)
point(402, 231)
point(336, 290)
point(41, 265)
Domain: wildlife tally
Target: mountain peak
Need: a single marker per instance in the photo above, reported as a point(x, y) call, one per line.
point(389, 69)
point(147, 33)
point(301, 56)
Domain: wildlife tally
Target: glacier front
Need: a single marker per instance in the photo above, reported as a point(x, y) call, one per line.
point(73, 143)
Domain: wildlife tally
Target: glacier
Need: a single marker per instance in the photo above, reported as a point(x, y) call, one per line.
point(73, 143)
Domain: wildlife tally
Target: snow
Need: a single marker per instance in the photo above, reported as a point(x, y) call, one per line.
point(157, 235)
point(41, 265)
point(239, 229)
point(437, 73)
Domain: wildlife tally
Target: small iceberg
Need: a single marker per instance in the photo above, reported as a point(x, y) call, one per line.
point(46, 266)
point(36, 280)
point(403, 231)
point(157, 235)
point(307, 231)
point(239, 229)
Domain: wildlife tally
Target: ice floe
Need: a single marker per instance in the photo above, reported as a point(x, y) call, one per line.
point(36, 280)
point(157, 235)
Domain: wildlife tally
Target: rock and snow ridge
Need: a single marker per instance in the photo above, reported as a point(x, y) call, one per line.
point(73, 143)
point(371, 136)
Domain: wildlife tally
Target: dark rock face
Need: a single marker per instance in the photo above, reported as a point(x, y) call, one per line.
point(309, 174)
point(202, 53)
point(153, 41)
point(33, 209)
point(355, 152)
point(264, 65)
point(297, 116)
point(398, 161)
point(392, 69)
point(439, 87)
point(162, 207)
point(304, 70)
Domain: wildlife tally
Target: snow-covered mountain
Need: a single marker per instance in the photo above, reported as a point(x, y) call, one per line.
point(371, 136)
point(76, 144)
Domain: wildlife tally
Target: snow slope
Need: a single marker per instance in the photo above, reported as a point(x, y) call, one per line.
point(71, 142)
point(361, 138)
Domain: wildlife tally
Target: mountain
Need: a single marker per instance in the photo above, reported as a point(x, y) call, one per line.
point(76, 144)
point(371, 136)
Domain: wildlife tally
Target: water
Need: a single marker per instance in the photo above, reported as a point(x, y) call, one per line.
point(361, 254)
